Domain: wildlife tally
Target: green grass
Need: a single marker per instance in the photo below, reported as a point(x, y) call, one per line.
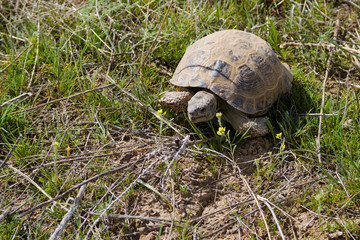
point(56, 49)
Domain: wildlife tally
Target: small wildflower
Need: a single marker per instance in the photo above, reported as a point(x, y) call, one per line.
point(282, 146)
point(161, 112)
point(68, 151)
point(221, 131)
point(279, 135)
point(56, 144)
point(218, 115)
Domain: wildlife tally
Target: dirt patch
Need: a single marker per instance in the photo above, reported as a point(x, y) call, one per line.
point(173, 189)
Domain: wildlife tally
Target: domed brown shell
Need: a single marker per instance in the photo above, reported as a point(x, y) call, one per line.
point(239, 67)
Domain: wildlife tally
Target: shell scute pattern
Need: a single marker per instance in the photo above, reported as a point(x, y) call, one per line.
point(218, 68)
point(260, 103)
point(239, 67)
point(263, 66)
point(248, 82)
point(269, 54)
point(245, 45)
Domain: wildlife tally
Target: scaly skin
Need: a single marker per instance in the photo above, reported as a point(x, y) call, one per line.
point(204, 105)
point(177, 101)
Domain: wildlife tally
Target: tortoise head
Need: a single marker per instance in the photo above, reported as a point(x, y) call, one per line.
point(202, 107)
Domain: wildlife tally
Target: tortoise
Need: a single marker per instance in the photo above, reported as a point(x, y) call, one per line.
point(233, 72)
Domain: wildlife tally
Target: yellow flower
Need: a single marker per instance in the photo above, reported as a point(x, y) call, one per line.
point(279, 135)
point(56, 144)
point(282, 146)
point(68, 151)
point(218, 115)
point(221, 131)
point(161, 112)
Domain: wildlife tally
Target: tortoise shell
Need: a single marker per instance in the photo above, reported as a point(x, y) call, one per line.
point(238, 66)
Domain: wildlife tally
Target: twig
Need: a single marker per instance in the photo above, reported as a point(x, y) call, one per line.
point(131, 185)
point(176, 156)
point(70, 159)
point(298, 44)
point(328, 63)
point(16, 38)
point(315, 114)
point(72, 189)
point(32, 182)
point(325, 114)
point(37, 53)
point(120, 216)
point(352, 3)
point(69, 214)
point(15, 99)
point(350, 84)
point(251, 192)
point(125, 236)
point(5, 213)
point(11, 151)
point(257, 202)
point(265, 201)
point(219, 229)
point(253, 196)
point(65, 98)
point(350, 200)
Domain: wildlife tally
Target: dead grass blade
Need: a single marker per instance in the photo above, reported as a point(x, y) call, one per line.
point(328, 65)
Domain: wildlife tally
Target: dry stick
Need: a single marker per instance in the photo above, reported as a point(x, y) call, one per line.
point(219, 229)
point(149, 156)
point(16, 58)
point(68, 160)
point(73, 188)
point(241, 223)
point(297, 44)
point(15, 99)
point(256, 201)
point(120, 217)
point(352, 3)
point(140, 232)
point(11, 151)
point(32, 182)
point(160, 117)
point(328, 64)
point(132, 184)
point(5, 213)
point(65, 98)
point(37, 53)
point(350, 84)
point(69, 214)
point(249, 189)
point(176, 156)
point(16, 38)
point(264, 200)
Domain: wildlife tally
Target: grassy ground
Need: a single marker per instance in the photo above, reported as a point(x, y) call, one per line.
point(85, 138)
